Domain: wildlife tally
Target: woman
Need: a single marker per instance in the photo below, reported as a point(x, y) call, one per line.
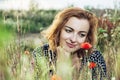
point(70, 28)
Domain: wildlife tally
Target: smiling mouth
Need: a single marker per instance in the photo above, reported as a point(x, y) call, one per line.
point(70, 45)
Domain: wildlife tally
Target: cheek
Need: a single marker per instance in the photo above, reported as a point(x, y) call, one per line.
point(64, 35)
point(82, 40)
point(62, 38)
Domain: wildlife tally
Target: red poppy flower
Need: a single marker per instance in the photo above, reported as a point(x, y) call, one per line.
point(92, 65)
point(55, 77)
point(86, 45)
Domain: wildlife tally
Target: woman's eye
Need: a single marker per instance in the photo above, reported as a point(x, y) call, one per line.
point(68, 31)
point(82, 35)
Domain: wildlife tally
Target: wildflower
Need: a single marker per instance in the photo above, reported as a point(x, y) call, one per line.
point(55, 77)
point(86, 45)
point(27, 52)
point(92, 65)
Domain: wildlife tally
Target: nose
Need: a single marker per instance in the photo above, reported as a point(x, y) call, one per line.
point(73, 38)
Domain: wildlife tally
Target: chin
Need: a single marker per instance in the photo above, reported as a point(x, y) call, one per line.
point(68, 49)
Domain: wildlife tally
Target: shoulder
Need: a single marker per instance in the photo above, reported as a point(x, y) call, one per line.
point(95, 55)
point(98, 58)
point(40, 49)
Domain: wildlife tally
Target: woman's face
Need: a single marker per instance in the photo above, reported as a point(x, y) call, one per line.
point(73, 34)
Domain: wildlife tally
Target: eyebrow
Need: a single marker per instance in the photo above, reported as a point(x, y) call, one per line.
point(69, 27)
point(73, 29)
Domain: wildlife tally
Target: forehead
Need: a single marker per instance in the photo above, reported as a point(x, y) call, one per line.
point(78, 24)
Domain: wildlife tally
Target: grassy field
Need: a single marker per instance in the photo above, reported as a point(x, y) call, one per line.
point(16, 46)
